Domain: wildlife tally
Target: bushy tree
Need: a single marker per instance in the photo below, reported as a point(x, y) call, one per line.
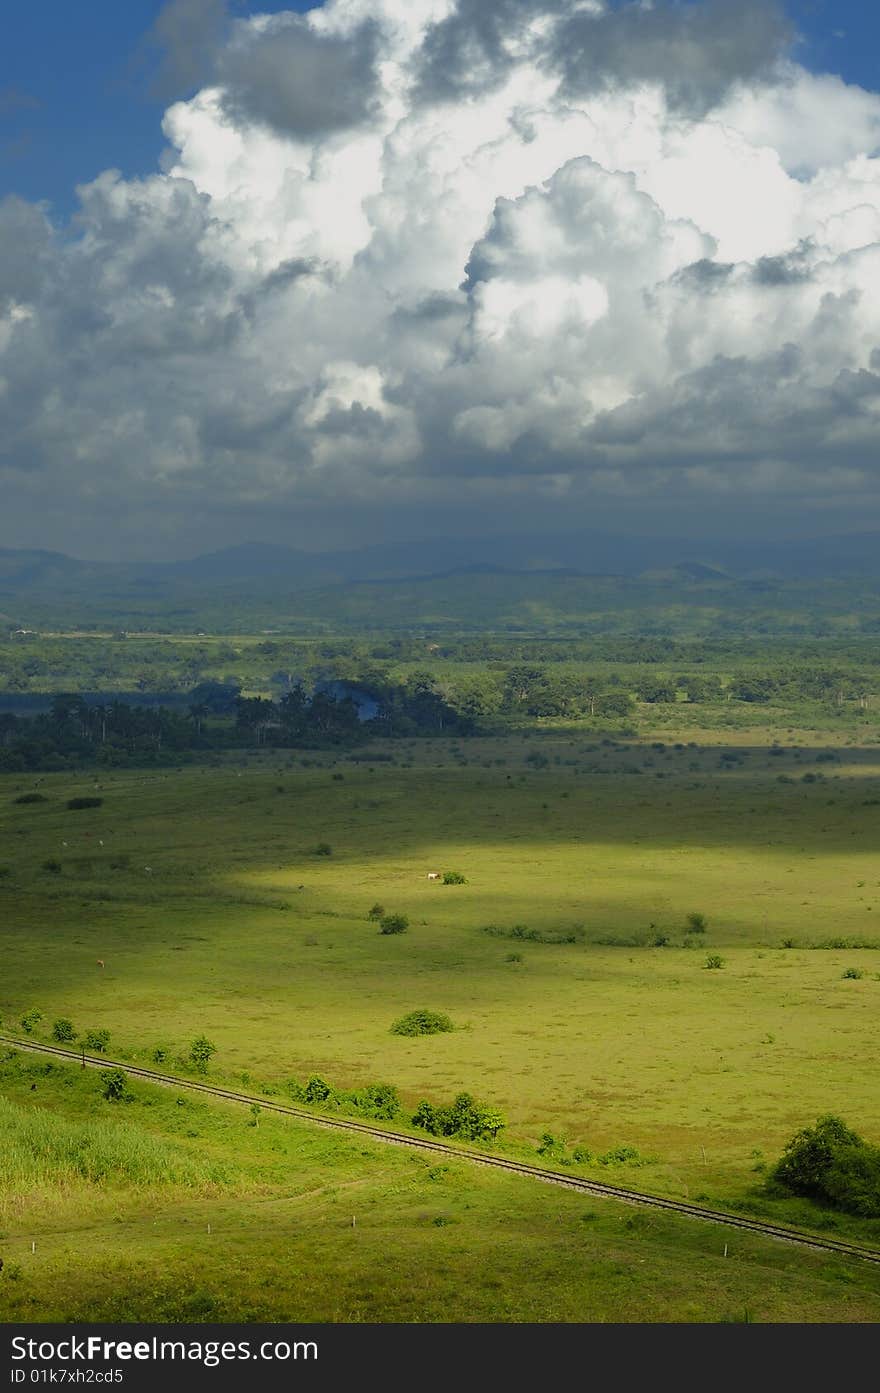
point(833, 1164)
point(464, 1117)
point(200, 1052)
point(96, 1040)
point(317, 1090)
point(379, 1100)
point(30, 1020)
point(115, 1088)
point(63, 1030)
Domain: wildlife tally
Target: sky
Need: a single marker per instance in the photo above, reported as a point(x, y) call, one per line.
point(403, 268)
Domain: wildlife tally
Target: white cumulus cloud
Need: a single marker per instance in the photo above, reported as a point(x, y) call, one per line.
point(439, 252)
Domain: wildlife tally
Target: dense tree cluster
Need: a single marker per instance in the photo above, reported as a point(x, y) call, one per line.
point(834, 1165)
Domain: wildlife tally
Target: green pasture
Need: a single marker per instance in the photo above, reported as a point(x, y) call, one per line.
point(239, 930)
point(203, 1213)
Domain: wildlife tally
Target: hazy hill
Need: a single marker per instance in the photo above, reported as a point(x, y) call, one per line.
point(518, 582)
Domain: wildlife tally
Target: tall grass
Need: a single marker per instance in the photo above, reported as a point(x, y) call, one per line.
point(40, 1149)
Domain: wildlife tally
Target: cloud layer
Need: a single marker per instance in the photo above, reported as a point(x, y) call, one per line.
point(408, 258)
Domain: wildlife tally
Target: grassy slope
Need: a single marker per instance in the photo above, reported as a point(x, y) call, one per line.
point(273, 1239)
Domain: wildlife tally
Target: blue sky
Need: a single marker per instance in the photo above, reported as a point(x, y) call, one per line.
point(75, 90)
point(76, 93)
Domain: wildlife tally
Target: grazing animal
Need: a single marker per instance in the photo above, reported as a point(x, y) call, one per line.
point(100, 962)
point(433, 875)
point(64, 843)
point(100, 841)
point(149, 870)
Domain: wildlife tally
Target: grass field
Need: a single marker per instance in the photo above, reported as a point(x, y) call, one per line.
point(241, 931)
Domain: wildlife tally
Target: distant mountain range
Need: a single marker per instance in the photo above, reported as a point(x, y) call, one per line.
point(583, 554)
point(262, 583)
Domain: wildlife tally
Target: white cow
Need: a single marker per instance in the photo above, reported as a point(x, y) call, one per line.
point(433, 875)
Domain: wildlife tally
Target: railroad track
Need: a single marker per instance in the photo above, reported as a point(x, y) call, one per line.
point(549, 1177)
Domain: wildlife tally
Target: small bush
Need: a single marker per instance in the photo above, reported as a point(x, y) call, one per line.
point(323, 849)
point(53, 866)
point(621, 1156)
point(422, 1023)
point(115, 1088)
point(513, 958)
point(5, 872)
point(317, 1090)
point(550, 1145)
point(160, 1054)
point(856, 973)
point(30, 1020)
point(120, 863)
point(200, 1052)
point(63, 1031)
point(96, 1040)
point(376, 912)
point(697, 924)
point(454, 878)
point(31, 798)
point(84, 802)
point(714, 960)
point(377, 1100)
point(393, 924)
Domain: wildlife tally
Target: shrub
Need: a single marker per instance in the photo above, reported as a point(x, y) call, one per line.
point(454, 878)
point(120, 863)
point(393, 924)
point(422, 1023)
point(714, 960)
point(31, 798)
point(582, 1155)
point(96, 1040)
point(378, 1100)
point(200, 1052)
point(5, 872)
point(854, 972)
point(376, 912)
point(84, 802)
point(620, 1156)
point(30, 1020)
point(549, 1145)
point(52, 866)
point(317, 1090)
point(160, 1054)
point(697, 924)
point(63, 1030)
point(832, 1164)
point(115, 1088)
point(464, 1117)
point(323, 849)
point(513, 958)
